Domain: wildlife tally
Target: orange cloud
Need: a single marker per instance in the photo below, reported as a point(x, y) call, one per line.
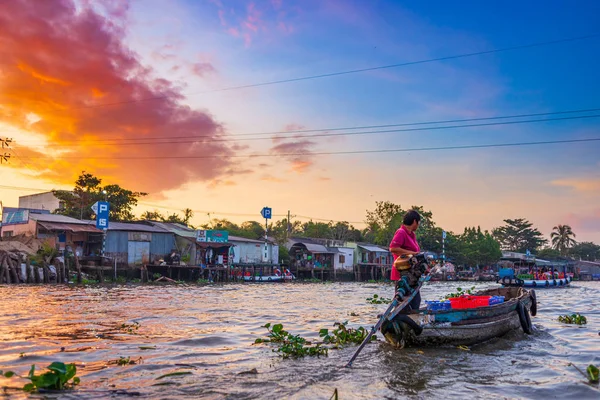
point(57, 61)
point(580, 185)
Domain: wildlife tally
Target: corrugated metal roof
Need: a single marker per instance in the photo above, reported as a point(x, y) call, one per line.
point(58, 226)
point(243, 239)
point(178, 229)
point(316, 248)
point(134, 227)
point(372, 248)
point(57, 218)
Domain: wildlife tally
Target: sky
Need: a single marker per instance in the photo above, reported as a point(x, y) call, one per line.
point(176, 98)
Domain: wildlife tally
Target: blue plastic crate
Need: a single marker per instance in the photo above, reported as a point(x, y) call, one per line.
point(496, 300)
point(438, 305)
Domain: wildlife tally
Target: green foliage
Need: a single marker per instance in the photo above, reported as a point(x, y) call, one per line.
point(378, 300)
point(156, 275)
point(44, 255)
point(474, 247)
point(562, 238)
point(459, 292)
point(124, 361)
point(57, 377)
point(383, 222)
point(548, 253)
point(593, 373)
point(202, 281)
point(291, 345)
point(576, 319)
point(156, 215)
point(129, 328)
point(587, 251)
point(88, 190)
point(519, 235)
point(342, 335)
point(284, 255)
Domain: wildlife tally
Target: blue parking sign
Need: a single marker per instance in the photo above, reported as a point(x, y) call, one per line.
point(102, 215)
point(266, 212)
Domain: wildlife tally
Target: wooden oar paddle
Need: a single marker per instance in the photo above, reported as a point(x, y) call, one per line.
point(390, 313)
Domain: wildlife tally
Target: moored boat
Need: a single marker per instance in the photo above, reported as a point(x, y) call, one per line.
point(465, 326)
point(277, 277)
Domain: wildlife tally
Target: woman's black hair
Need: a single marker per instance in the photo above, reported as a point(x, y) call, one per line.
point(410, 217)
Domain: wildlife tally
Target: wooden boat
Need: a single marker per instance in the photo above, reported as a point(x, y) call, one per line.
point(547, 283)
point(277, 277)
point(464, 326)
point(538, 283)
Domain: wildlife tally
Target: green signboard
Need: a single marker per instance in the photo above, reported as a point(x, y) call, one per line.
point(212, 236)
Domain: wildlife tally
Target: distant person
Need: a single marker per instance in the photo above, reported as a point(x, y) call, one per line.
point(403, 244)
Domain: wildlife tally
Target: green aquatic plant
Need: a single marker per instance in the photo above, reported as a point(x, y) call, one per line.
point(129, 328)
point(378, 300)
point(459, 292)
point(576, 319)
point(593, 373)
point(291, 345)
point(59, 376)
point(342, 335)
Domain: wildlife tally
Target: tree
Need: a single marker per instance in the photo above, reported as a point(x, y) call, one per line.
point(519, 236)
point(587, 251)
point(319, 230)
point(152, 216)
point(477, 248)
point(383, 222)
point(88, 190)
point(173, 218)
point(547, 253)
point(562, 238)
point(253, 229)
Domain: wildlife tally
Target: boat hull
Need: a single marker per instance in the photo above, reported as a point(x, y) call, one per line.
point(460, 326)
point(546, 283)
point(270, 278)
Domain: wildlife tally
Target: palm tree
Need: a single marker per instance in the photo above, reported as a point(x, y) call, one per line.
point(562, 238)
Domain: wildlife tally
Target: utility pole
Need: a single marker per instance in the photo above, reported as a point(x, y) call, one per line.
point(288, 231)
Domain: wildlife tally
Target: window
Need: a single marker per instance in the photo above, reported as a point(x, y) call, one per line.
point(7, 233)
point(342, 258)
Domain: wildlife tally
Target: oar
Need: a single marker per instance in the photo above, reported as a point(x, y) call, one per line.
point(396, 307)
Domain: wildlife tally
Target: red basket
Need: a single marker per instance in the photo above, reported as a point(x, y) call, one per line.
point(467, 301)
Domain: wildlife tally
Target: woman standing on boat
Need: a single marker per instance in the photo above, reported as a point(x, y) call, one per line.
point(403, 244)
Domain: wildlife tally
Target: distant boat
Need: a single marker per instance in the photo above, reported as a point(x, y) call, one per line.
point(277, 277)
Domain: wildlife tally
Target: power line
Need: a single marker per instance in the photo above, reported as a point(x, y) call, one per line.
point(192, 139)
point(433, 128)
point(347, 72)
point(198, 212)
point(344, 152)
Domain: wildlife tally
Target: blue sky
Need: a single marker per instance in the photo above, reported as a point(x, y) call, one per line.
point(202, 46)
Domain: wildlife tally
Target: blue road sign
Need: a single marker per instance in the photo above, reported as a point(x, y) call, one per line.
point(266, 212)
point(443, 234)
point(102, 214)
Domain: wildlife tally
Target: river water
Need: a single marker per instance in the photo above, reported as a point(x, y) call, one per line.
point(209, 331)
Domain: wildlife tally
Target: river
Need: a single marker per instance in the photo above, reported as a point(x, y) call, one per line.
point(209, 331)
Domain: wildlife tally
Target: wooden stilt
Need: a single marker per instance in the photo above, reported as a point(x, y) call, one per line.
point(2, 273)
point(78, 266)
point(28, 272)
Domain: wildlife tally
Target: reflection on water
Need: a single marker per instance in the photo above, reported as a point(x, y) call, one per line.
point(209, 331)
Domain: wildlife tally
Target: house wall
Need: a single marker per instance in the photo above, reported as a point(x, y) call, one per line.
point(251, 253)
point(117, 244)
point(28, 229)
point(40, 201)
point(347, 256)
